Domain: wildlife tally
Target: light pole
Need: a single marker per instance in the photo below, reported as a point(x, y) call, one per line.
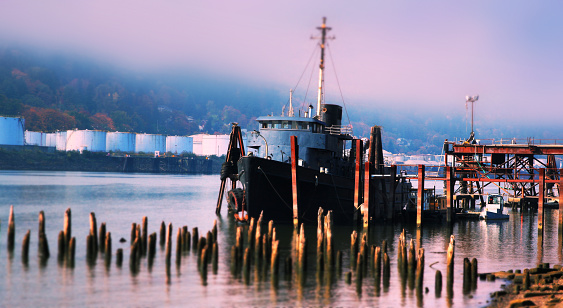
point(471, 99)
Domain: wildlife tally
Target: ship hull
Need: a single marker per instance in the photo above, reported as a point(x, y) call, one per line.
point(268, 190)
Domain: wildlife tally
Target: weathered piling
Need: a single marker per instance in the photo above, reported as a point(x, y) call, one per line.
point(151, 249)
point(195, 238)
point(386, 270)
point(438, 284)
point(133, 233)
point(420, 269)
point(43, 243)
point(450, 266)
point(251, 232)
point(102, 237)
point(107, 249)
point(144, 236)
point(119, 257)
point(526, 280)
point(474, 273)
point(11, 230)
point(67, 228)
point(412, 264)
point(359, 272)
point(134, 255)
point(466, 275)
point(25, 247)
point(215, 258)
point(169, 244)
point(214, 231)
point(377, 265)
point(353, 248)
point(71, 251)
point(162, 234)
point(94, 231)
point(179, 246)
point(329, 245)
point(274, 262)
point(185, 239)
point(246, 265)
point(61, 249)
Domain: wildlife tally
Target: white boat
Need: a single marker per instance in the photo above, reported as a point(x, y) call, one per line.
point(494, 208)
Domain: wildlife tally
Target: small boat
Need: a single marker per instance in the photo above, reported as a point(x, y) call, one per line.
point(494, 208)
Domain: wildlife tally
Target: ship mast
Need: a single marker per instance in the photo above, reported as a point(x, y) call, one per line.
point(324, 30)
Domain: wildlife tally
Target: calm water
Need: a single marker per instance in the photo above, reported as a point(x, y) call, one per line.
point(121, 199)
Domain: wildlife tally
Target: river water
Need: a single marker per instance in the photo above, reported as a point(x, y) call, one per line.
point(120, 199)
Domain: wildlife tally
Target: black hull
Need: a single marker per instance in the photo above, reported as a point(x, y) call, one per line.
point(267, 185)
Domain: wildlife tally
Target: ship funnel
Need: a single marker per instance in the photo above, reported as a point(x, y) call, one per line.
point(311, 111)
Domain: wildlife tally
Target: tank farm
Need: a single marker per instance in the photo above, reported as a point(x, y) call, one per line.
point(474, 168)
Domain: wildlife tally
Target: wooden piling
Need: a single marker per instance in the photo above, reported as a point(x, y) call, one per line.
point(134, 255)
point(162, 234)
point(338, 262)
point(169, 244)
point(420, 195)
point(179, 246)
point(386, 269)
point(61, 249)
point(526, 280)
point(144, 236)
point(43, 243)
point(89, 248)
point(438, 283)
point(67, 228)
point(366, 204)
point(214, 231)
point(353, 248)
point(412, 259)
point(466, 275)
point(94, 231)
point(152, 246)
point(195, 238)
point(474, 273)
point(107, 249)
point(133, 233)
point(215, 258)
point(377, 265)
point(329, 245)
point(25, 247)
point(450, 262)
point(102, 237)
point(420, 269)
point(246, 264)
point(274, 261)
point(11, 230)
point(119, 257)
point(71, 251)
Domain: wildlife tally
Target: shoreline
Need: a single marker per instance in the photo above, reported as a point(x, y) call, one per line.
point(541, 286)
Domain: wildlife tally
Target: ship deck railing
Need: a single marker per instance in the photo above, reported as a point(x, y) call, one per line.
point(339, 129)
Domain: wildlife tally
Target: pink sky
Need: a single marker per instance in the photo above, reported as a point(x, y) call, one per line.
point(387, 53)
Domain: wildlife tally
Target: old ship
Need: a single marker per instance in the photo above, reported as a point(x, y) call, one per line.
point(289, 182)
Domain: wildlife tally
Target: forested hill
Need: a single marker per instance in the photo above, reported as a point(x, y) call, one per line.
point(59, 92)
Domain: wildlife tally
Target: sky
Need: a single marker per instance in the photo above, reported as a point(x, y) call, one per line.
point(411, 55)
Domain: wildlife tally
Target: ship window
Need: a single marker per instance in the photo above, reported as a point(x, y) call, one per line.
point(265, 124)
point(285, 124)
point(293, 124)
point(276, 124)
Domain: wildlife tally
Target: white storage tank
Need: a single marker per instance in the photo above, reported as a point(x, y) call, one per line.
point(215, 144)
point(35, 138)
point(150, 143)
point(179, 144)
point(51, 139)
point(91, 140)
point(60, 141)
point(197, 143)
point(12, 130)
point(120, 142)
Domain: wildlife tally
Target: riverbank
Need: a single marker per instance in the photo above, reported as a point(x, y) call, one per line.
point(541, 287)
point(32, 159)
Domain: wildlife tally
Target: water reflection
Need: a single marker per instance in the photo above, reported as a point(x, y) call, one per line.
point(121, 199)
